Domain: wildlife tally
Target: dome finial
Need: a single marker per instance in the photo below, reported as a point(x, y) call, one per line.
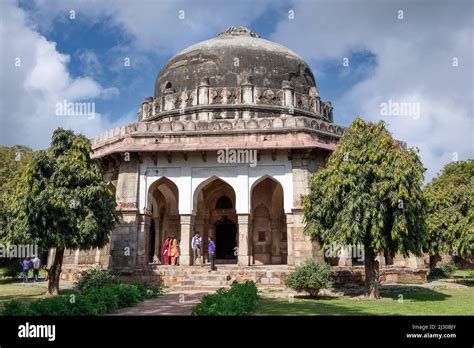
point(238, 31)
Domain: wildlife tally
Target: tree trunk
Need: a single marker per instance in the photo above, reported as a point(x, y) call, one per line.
point(54, 272)
point(371, 289)
point(434, 259)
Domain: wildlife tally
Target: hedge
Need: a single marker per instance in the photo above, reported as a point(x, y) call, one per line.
point(240, 299)
point(104, 300)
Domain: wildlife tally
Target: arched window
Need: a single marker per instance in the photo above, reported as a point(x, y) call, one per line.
point(168, 85)
point(224, 203)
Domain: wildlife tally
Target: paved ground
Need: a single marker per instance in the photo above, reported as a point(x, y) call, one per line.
point(171, 303)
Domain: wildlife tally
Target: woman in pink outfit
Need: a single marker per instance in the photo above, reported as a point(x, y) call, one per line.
point(165, 251)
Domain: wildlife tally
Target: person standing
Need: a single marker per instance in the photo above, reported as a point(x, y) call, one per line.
point(165, 251)
point(36, 267)
point(25, 265)
point(196, 246)
point(211, 250)
point(174, 251)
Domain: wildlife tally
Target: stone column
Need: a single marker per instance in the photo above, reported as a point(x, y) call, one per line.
point(203, 97)
point(288, 94)
point(247, 95)
point(143, 239)
point(290, 239)
point(243, 257)
point(186, 229)
point(276, 241)
point(168, 96)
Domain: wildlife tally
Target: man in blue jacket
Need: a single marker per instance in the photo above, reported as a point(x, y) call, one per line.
point(211, 250)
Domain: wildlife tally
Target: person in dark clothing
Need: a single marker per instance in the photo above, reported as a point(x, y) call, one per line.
point(211, 250)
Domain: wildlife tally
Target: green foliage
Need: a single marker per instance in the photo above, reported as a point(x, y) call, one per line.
point(95, 301)
point(52, 306)
point(61, 199)
point(15, 308)
point(14, 161)
point(310, 277)
point(369, 194)
point(240, 299)
point(445, 271)
point(13, 270)
point(95, 278)
point(450, 213)
point(449, 268)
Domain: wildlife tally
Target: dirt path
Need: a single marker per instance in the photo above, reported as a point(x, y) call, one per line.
point(171, 303)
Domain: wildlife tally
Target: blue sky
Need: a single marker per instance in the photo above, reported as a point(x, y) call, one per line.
point(407, 59)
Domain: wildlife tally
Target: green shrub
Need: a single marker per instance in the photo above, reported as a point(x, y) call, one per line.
point(445, 271)
point(96, 278)
point(51, 306)
point(96, 301)
point(310, 277)
point(240, 299)
point(15, 308)
point(13, 270)
point(449, 269)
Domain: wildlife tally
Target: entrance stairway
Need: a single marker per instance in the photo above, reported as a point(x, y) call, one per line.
point(202, 279)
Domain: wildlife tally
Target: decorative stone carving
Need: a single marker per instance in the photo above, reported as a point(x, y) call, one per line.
point(165, 127)
point(239, 124)
point(278, 123)
point(251, 124)
point(215, 95)
point(177, 126)
point(190, 126)
point(202, 126)
point(265, 124)
point(214, 126)
point(226, 125)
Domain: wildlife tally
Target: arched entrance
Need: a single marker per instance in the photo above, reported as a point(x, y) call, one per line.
point(226, 239)
point(163, 206)
point(215, 216)
point(268, 221)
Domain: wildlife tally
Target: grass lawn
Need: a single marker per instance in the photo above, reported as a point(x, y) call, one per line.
point(10, 290)
point(415, 302)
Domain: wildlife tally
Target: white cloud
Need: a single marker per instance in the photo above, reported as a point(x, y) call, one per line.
point(34, 78)
point(414, 64)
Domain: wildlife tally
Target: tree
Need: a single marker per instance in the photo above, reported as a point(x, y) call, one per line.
point(62, 202)
point(369, 194)
point(14, 161)
point(450, 216)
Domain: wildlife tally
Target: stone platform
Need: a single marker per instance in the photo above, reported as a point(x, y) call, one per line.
point(199, 277)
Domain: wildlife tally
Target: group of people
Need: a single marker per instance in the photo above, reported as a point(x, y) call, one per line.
point(171, 251)
point(28, 264)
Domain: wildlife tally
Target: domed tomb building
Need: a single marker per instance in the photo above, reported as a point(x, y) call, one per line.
point(225, 147)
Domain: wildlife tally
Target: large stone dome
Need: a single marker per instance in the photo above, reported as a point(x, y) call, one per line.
point(229, 59)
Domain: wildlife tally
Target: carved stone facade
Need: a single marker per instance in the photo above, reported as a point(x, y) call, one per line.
point(236, 92)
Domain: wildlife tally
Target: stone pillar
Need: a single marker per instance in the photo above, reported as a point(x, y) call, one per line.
point(203, 97)
point(143, 239)
point(243, 257)
point(290, 239)
point(276, 241)
point(168, 96)
point(247, 95)
point(288, 94)
point(186, 230)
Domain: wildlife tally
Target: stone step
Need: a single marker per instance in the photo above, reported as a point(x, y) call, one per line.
point(197, 288)
point(205, 282)
point(209, 276)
